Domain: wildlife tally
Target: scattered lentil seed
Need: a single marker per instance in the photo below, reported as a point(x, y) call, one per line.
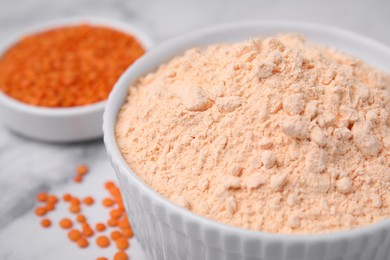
point(100, 227)
point(50, 207)
point(109, 185)
point(45, 223)
point(42, 197)
point(121, 256)
point(122, 243)
point(88, 201)
point(116, 213)
point(112, 222)
point(87, 230)
point(123, 224)
point(75, 201)
point(82, 242)
point(82, 169)
point(74, 209)
point(81, 218)
point(102, 241)
point(108, 202)
point(66, 223)
point(115, 235)
point(128, 232)
point(78, 179)
point(67, 197)
point(39, 211)
point(74, 235)
point(52, 199)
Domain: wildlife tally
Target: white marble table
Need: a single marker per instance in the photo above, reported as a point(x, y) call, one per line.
point(27, 167)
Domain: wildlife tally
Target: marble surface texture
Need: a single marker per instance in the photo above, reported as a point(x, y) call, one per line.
point(27, 166)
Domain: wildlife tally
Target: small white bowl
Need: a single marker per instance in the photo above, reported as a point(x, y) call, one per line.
point(60, 124)
point(169, 232)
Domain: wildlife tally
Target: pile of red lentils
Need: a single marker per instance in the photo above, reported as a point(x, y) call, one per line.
point(67, 66)
point(79, 230)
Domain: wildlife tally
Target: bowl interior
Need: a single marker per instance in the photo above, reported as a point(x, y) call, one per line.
point(370, 51)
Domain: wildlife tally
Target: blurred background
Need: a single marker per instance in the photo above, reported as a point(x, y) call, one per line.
point(165, 18)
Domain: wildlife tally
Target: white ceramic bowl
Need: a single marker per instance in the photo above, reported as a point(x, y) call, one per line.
point(170, 232)
point(59, 124)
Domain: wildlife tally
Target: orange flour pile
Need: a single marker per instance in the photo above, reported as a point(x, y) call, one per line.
point(275, 134)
